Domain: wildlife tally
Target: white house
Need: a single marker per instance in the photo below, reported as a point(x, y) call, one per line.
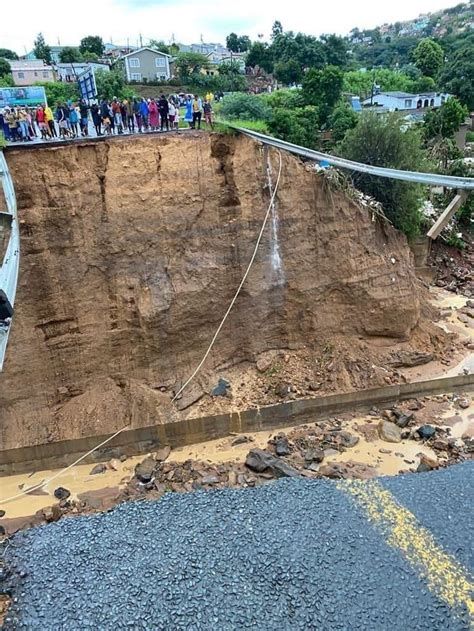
point(147, 64)
point(400, 101)
point(70, 71)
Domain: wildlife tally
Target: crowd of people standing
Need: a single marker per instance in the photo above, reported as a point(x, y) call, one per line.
point(116, 116)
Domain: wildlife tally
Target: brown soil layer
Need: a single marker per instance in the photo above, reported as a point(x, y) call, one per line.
point(131, 252)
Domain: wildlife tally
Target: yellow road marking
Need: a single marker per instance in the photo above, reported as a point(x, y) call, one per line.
point(445, 576)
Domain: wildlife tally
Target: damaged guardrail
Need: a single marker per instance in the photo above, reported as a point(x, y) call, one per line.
point(431, 179)
point(10, 264)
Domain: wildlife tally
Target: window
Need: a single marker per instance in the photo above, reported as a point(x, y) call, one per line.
point(45, 74)
point(160, 76)
point(160, 62)
point(134, 62)
point(431, 102)
point(426, 103)
point(136, 76)
point(21, 75)
point(408, 104)
point(36, 74)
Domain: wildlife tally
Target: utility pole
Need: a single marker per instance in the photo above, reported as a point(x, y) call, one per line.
point(141, 40)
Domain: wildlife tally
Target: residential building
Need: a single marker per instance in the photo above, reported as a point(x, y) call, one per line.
point(55, 53)
point(146, 64)
point(31, 71)
point(401, 101)
point(69, 72)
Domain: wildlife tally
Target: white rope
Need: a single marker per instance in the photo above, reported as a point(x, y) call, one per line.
point(56, 475)
point(270, 206)
point(107, 440)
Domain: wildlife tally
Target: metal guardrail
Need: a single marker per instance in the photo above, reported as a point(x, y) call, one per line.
point(10, 265)
point(431, 179)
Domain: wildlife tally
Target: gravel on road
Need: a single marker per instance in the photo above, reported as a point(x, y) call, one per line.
point(294, 554)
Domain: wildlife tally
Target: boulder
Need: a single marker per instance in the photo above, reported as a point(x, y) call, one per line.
point(426, 464)
point(410, 358)
point(282, 446)
point(260, 460)
point(389, 432)
point(403, 419)
point(144, 470)
point(162, 454)
point(210, 478)
point(426, 431)
point(61, 493)
point(314, 454)
point(347, 439)
point(239, 440)
point(283, 389)
point(114, 464)
point(99, 468)
point(263, 364)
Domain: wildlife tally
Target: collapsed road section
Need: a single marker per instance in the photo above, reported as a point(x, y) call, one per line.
point(132, 251)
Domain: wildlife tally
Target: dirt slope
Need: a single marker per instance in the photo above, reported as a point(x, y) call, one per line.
point(131, 252)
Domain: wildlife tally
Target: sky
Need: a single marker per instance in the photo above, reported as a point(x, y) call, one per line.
point(188, 20)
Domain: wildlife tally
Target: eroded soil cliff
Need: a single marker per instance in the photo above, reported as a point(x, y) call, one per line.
point(131, 252)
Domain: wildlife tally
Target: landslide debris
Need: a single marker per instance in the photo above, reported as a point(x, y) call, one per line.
point(131, 251)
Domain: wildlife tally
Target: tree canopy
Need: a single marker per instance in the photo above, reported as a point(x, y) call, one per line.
point(70, 55)
point(382, 140)
point(41, 49)
point(238, 44)
point(444, 121)
point(457, 76)
point(428, 57)
point(190, 63)
point(6, 53)
point(92, 44)
point(5, 68)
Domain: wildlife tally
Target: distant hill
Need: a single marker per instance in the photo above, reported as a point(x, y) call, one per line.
point(391, 45)
point(458, 19)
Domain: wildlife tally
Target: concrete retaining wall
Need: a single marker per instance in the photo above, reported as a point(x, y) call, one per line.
point(190, 431)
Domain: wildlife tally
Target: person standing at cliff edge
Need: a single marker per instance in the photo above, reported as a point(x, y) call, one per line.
point(197, 112)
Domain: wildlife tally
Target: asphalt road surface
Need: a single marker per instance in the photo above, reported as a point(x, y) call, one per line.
point(392, 554)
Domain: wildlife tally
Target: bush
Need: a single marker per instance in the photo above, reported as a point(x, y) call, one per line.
point(342, 120)
point(280, 99)
point(380, 140)
point(298, 126)
point(60, 92)
point(245, 107)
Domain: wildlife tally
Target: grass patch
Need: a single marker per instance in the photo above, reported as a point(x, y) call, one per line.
point(259, 126)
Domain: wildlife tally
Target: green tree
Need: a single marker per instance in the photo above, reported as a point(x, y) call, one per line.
point(245, 107)
point(190, 63)
point(444, 121)
point(260, 55)
point(110, 84)
point(5, 68)
point(382, 140)
point(428, 57)
point(298, 126)
point(277, 29)
point(159, 44)
point(424, 84)
point(288, 72)
point(60, 92)
point(306, 50)
point(323, 88)
point(70, 55)
point(457, 76)
point(238, 44)
point(228, 68)
point(6, 53)
point(92, 44)
point(41, 49)
point(335, 48)
point(342, 119)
